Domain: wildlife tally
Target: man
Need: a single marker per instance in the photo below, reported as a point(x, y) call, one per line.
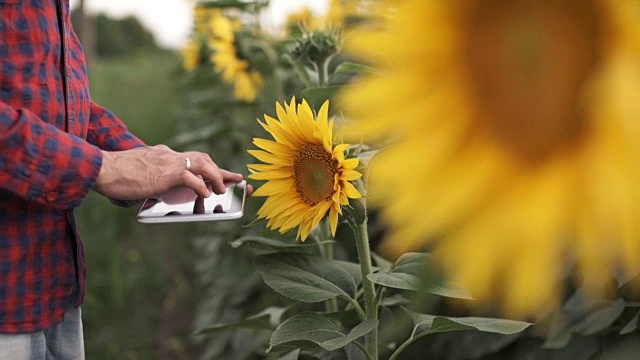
point(55, 146)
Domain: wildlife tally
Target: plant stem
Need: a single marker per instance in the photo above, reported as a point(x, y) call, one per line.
point(370, 305)
point(406, 344)
point(322, 66)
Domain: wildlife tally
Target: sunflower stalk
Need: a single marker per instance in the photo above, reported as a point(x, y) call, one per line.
point(322, 68)
point(366, 268)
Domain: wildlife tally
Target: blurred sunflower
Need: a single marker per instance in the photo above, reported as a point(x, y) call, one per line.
point(191, 55)
point(340, 10)
point(306, 175)
point(517, 129)
point(201, 17)
point(303, 18)
point(233, 69)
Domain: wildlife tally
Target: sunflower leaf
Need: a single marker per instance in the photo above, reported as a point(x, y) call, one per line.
point(267, 319)
point(600, 319)
point(306, 278)
point(631, 326)
point(436, 324)
point(316, 96)
point(317, 329)
point(409, 272)
point(268, 244)
point(348, 67)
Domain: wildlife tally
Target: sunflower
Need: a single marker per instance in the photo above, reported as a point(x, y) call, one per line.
point(302, 18)
point(191, 55)
point(233, 69)
point(340, 10)
point(201, 17)
point(517, 129)
point(306, 175)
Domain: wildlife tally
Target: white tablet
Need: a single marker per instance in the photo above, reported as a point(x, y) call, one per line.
point(182, 204)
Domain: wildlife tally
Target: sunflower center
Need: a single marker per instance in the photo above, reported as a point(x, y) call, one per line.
point(314, 173)
point(528, 62)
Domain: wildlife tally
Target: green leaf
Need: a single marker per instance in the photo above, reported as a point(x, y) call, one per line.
point(349, 67)
point(396, 280)
point(315, 328)
point(600, 319)
point(432, 324)
point(412, 263)
point(316, 96)
point(442, 324)
point(305, 278)
point(393, 300)
point(404, 274)
point(347, 318)
point(268, 244)
point(381, 262)
point(352, 268)
point(631, 325)
point(559, 333)
point(407, 274)
point(450, 292)
point(293, 355)
point(268, 319)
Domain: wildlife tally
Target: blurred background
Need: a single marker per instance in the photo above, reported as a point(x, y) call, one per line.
point(144, 286)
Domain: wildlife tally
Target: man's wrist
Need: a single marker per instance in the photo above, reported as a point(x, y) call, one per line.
point(105, 175)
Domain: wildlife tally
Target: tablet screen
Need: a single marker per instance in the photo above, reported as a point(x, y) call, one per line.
point(183, 201)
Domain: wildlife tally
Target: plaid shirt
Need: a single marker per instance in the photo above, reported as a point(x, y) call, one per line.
point(50, 136)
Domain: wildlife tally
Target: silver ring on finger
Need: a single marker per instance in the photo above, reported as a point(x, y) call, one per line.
point(188, 163)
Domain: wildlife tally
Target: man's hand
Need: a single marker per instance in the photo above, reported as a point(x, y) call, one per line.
point(144, 172)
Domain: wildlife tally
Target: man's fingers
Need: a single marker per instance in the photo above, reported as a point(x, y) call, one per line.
point(229, 176)
point(201, 164)
point(198, 185)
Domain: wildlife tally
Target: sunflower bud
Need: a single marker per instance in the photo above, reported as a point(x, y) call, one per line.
point(317, 46)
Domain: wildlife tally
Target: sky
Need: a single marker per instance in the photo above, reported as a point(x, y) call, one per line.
point(170, 20)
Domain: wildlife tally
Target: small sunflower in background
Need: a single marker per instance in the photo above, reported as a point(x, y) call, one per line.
point(340, 10)
point(234, 69)
point(191, 55)
point(300, 19)
point(517, 140)
point(201, 17)
point(307, 176)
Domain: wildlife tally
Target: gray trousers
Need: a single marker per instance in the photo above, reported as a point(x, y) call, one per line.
point(63, 341)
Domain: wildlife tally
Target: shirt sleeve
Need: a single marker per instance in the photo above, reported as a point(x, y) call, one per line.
point(108, 132)
point(41, 163)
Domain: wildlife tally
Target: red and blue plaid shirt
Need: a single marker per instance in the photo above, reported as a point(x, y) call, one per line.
point(50, 136)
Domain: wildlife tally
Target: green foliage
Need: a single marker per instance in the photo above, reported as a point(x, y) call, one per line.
point(306, 278)
point(119, 37)
point(315, 328)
